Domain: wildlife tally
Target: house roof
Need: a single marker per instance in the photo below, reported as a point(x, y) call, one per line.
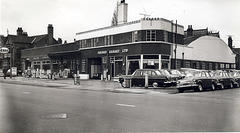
point(27, 39)
point(19, 39)
point(188, 40)
point(38, 38)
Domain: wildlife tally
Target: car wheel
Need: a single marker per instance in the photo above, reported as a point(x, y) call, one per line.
point(155, 84)
point(222, 86)
point(213, 87)
point(200, 87)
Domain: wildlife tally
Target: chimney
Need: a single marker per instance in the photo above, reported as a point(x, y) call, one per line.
point(122, 12)
point(19, 31)
point(59, 40)
point(189, 31)
point(50, 34)
point(230, 42)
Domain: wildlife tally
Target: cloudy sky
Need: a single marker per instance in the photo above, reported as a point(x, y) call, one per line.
point(71, 16)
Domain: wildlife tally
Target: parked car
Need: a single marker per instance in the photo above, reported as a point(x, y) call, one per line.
point(223, 79)
point(177, 73)
point(197, 80)
point(235, 74)
point(172, 78)
point(155, 78)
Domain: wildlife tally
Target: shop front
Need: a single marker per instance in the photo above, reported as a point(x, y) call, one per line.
point(110, 62)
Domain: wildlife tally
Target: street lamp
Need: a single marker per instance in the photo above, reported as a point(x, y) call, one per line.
point(11, 58)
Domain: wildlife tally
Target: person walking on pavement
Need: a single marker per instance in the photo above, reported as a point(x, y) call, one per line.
point(29, 73)
point(4, 73)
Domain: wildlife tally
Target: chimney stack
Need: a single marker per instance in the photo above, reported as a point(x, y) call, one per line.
point(122, 12)
point(189, 31)
point(19, 31)
point(230, 42)
point(50, 34)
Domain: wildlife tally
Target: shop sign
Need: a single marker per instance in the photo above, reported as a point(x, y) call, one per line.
point(113, 51)
point(14, 71)
point(102, 52)
point(4, 50)
point(36, 58)
point(45, 57)
point(124, 50)
point(151, 62)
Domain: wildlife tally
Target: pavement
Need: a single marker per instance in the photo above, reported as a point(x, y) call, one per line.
point(89, 85)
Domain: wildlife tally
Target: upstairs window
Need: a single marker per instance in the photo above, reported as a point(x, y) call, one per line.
point(151, 35)
point(135, 36)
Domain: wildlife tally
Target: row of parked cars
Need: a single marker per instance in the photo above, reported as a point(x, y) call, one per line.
point(184, 79)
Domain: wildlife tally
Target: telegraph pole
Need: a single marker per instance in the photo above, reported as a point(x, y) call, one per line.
point(175, 50)
point(11, 58)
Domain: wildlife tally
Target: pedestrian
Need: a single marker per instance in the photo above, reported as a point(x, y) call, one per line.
point(4, 73)
point(29, 73)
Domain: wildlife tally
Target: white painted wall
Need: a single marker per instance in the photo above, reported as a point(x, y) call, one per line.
point(122, 13)
point(158, 24)
point(207, 48)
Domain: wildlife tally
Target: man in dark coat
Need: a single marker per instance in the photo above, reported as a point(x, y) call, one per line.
point(5, 73)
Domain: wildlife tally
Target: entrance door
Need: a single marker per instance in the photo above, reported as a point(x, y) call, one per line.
point(118, 68)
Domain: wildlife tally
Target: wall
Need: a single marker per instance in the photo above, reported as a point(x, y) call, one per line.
point(207, 48)
point(144, 24)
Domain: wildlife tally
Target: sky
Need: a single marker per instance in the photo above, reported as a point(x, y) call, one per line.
point(69, 17)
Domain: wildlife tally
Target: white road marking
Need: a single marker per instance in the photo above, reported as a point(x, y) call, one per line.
point(126, 105)
point(26, 93)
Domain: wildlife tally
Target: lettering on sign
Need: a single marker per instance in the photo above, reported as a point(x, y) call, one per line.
point(102, 52)
point(124, 50)
point(113, 51)
point(45, 57)
point(4, 50)
point(36, 58)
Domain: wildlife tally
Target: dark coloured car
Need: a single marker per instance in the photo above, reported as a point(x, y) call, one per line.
point(197, 80)
point(223, 79)
point(155, 78)
point(235, 74)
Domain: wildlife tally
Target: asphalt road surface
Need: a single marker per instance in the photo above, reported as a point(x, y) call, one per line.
point(33, 109)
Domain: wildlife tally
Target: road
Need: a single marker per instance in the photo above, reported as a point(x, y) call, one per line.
point(33, 109)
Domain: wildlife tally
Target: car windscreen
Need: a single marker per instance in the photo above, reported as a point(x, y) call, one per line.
point(175, 72)
point(166, 72)
point(158, 73)
point(193, 74)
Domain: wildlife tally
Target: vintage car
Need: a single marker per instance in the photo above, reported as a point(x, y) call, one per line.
point(197, 80)
point(172, 78)
point(223, 79)
point(235, 74)
point(176, 73)
point(155, 78)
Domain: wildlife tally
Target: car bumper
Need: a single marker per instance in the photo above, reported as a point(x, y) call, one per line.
point(186, 86)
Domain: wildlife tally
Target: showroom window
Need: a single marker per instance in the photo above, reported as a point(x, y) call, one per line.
point(83, 65)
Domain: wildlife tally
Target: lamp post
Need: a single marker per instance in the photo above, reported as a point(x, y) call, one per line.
point(11, 59)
